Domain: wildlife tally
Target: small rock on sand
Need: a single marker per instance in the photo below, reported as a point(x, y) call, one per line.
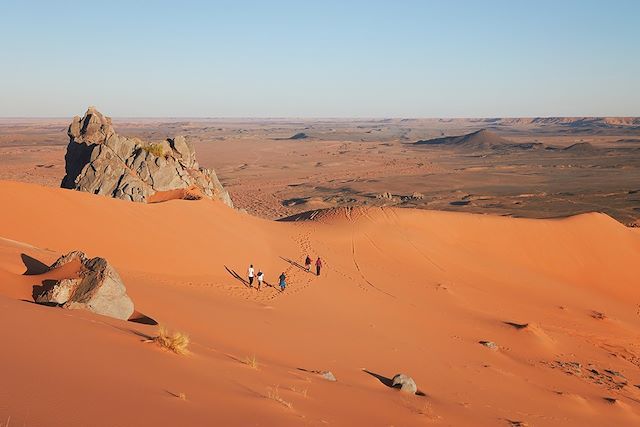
point(98, 288)
point(489, 344)
point(327, 375)
point(405, 383)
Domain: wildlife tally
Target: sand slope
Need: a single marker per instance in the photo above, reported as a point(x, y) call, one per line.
point(402, 291)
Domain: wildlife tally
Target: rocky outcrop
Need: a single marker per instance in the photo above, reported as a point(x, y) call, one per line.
point(300, 135)
point(405, 383)
point(99, 161)
point(97, 288)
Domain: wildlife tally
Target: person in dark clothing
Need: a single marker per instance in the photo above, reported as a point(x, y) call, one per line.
point(307, 263)
point(318, 266)
point(283, 281)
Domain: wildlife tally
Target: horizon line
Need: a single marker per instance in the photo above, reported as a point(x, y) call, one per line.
point(339, 117)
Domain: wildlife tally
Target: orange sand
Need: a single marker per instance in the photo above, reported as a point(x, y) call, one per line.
point(401, 291)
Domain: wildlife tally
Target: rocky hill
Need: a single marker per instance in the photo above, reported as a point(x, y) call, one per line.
point(480, 140)
point(100, 161)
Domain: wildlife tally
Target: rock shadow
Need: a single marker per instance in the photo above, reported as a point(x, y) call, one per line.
point(33, 266)
point(516, 325)
point(142, 318)
point(384, 380)
point(38, 290)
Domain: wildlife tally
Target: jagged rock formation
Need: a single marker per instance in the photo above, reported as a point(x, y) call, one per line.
point(98, 288)
point(101, 162)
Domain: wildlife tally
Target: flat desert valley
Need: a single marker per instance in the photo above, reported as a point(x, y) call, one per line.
point(494, 261)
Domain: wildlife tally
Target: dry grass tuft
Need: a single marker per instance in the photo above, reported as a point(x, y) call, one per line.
point(155, 149)
point(273, 393)
point(251, 361)
point(7, 423)
point(182, 396)
point(301, 391)
point(177, 342)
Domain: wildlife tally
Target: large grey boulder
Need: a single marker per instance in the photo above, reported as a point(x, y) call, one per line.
point(405, 383)
point(99, 161)
point(98, 288)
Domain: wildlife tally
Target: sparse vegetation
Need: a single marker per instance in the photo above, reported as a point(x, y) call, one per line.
point(7, 423)
point(273, 393)
point(301, 391)
point(177, 342)
point(155, 149)
point(251, 361)
point(182, 396)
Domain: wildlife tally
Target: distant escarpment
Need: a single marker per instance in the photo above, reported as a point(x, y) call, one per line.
point(99, 161)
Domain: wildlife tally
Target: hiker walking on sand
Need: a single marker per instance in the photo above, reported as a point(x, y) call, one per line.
point(260, 279)
point(250, 273)
point(283, 281)
point(307, 263)
point(318, 266)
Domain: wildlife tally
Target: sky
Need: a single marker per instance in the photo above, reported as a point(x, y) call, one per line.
point(320, 58)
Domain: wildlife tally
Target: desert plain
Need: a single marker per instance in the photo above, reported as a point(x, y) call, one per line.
point(495, 261)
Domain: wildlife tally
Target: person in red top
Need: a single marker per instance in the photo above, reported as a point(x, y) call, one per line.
point(318, 266)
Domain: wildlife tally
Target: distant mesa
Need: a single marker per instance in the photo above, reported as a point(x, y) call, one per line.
point(570, 122)
point(299, 135)
point(99, 161)
point(482, 139)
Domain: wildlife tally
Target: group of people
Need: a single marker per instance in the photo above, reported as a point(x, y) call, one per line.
point(307, 264)
point(283, 277)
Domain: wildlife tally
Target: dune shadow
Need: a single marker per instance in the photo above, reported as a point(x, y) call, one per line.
point(33, 266)
point(236, 276)
point(388, 381)
point(296, 264)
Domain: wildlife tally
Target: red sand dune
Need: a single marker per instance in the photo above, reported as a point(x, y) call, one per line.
point(401, 291)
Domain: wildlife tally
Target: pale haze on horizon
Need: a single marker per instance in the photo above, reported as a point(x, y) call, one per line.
point(320, 59)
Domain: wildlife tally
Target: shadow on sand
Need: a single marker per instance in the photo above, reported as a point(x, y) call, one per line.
point(142, 318)
point(237, 276)
point(33, 266)
point(295, 264)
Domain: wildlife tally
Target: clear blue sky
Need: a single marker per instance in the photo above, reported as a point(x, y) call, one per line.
point(320, 58)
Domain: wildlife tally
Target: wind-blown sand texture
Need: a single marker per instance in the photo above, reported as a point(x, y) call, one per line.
point(402, 290)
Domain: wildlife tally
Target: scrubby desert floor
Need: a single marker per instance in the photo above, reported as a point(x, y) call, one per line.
point(347, 162)
point(402, 290)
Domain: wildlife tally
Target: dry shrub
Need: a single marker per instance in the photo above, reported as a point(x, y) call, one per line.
point(300, 391)
point(273, 393)
point(177, 342)
point(251, 361)
point(155, 149)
